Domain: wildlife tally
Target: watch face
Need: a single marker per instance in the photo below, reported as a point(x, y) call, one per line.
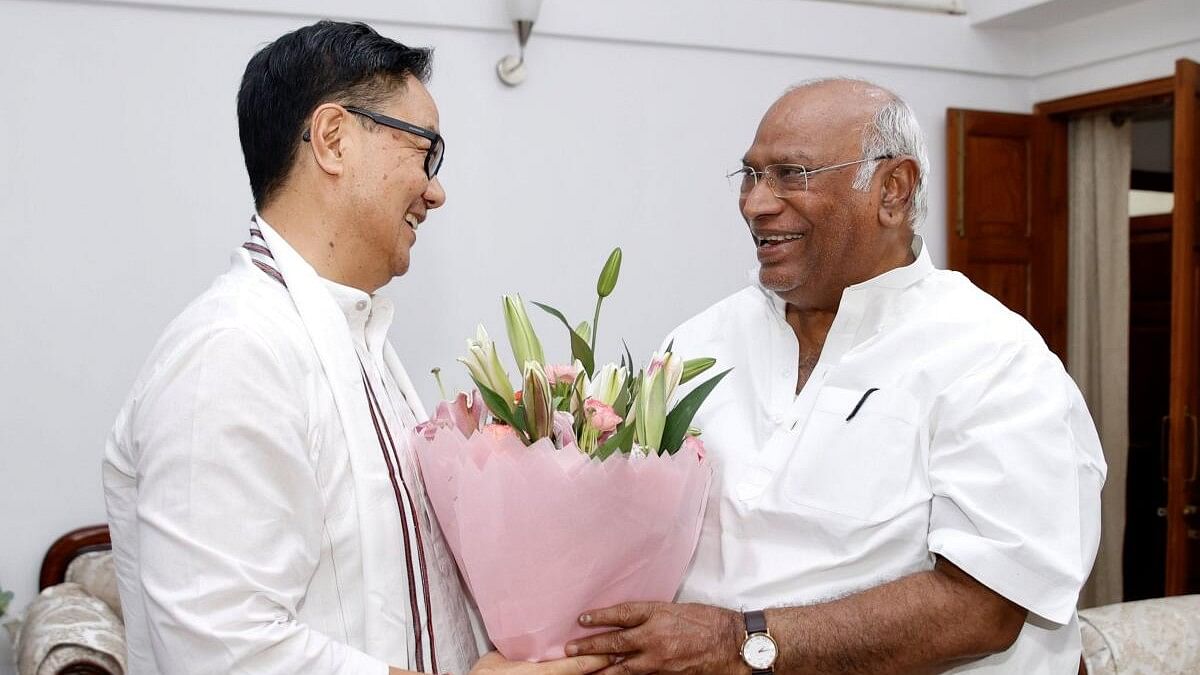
point(759, 651)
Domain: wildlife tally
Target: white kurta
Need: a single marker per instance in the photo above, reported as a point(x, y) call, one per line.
point(974, 445)
point(261, 523)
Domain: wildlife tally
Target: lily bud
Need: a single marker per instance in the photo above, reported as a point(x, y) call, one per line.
point(608, 276)
point(651, 407)
point(672, 374)
point(538, 400)
point(525, 344)
point(670, 366)
point(694, 367)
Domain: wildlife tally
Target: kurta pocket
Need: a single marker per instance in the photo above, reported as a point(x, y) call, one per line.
point(857, 454)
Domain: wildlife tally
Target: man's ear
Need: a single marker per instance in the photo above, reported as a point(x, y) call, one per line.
point(327, 137)
point(899, 188)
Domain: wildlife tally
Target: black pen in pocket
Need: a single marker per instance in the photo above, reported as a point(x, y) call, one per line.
point(861, 401)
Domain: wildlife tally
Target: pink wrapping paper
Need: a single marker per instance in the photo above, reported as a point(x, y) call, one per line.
point(541, 535)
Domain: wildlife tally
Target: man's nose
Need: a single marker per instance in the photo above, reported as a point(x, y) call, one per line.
point(435, 194)
point(760, 201)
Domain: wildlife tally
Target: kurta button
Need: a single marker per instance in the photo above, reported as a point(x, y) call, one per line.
point(360, 305)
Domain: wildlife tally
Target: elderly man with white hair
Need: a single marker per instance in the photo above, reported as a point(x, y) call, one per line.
point(907, 481)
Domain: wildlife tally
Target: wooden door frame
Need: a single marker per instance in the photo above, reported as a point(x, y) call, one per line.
point(1049, 193)
point(1182, 413)
point(1050, 122)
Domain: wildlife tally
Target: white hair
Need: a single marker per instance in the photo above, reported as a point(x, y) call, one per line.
point(894, 131)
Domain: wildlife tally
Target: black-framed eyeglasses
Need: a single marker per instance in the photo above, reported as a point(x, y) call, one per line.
point(786, 180)
point(437, 144)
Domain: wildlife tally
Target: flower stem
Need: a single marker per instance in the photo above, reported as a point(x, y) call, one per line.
point(596, 322)
point(437, 375)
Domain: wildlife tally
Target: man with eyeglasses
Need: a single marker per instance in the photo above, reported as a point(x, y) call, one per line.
point(907, 479)
point(266, 514)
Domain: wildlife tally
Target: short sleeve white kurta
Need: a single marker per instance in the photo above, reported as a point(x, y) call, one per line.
point(935, 422)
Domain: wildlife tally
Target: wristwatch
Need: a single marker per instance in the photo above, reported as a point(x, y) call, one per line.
point(759, 650)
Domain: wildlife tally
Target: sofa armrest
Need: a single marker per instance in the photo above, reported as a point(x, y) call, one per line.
point(66, 629)
point(1154, 637)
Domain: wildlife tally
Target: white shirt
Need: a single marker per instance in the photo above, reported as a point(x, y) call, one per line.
point(257, 522)
point(975, 446)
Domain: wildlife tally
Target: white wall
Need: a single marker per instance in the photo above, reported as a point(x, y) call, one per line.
point(122, 190)
point(1139, 41)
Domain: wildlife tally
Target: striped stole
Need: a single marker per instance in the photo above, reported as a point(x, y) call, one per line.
point(410, 523)
point(261, 256)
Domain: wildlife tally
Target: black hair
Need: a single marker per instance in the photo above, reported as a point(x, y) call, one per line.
point(285, 81)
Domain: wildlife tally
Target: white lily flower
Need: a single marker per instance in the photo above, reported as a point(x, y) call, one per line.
point(608, 383)
point(484, 364)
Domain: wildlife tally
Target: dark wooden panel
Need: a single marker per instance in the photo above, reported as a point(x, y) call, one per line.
point(1007, 282)
point(998, 249)
point(1144, 559)
point(1049, 198)
point(990, 234)
point(997, 191)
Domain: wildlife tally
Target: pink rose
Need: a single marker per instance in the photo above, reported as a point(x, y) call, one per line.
point(565, 374)
point(600, 416)
point(694, 444)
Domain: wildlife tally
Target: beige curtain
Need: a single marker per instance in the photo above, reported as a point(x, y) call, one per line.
point(1098, 319)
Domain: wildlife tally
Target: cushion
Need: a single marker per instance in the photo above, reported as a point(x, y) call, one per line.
point(66, 625)
point(1148, 637)
point(97, 573)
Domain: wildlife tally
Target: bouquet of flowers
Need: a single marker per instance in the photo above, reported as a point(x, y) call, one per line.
point(584, 488)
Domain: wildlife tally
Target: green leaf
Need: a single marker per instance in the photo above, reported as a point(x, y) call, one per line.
point(670, 346)
point(622, 440)
point(522, 420)
point(581, 350)
point(621, 405)
point(693, 368)
point(584, 329)
point(579, 347)
point(679, 419)
point(627, 354)
point(552, 312)
point(501, 409)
